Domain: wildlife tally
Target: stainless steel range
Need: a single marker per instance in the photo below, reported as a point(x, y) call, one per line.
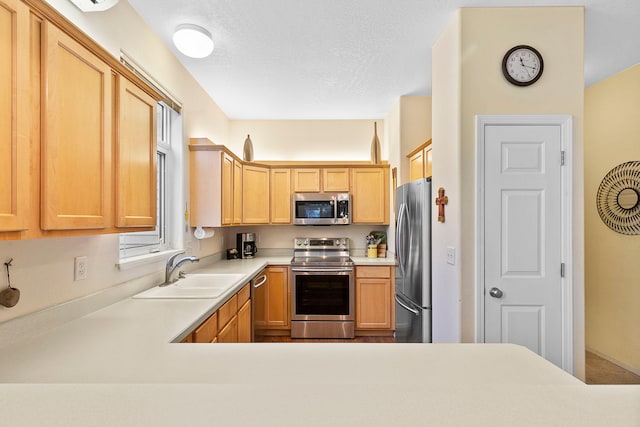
point(322, 288)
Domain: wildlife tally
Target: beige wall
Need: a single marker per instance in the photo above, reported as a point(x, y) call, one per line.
point(307, 139)
point(485, 35)
point(415, 128)
point(446, 154)
point(43, 269)
point(612, 271)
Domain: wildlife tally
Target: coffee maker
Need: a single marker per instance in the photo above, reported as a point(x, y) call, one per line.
point(246, 245)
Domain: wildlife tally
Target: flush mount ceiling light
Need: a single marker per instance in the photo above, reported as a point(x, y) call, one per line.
point(193, 41)
point(94, 5)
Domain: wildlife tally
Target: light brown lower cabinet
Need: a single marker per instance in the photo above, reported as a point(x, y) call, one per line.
point(228, 324)
point(229, 333)
point(207, 331)
point(272, 312)
point(375, 307)
point(244, 322)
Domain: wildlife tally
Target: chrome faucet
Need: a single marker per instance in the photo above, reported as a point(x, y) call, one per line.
point(171, 266)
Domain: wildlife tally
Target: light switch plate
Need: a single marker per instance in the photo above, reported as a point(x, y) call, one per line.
point(451, 255)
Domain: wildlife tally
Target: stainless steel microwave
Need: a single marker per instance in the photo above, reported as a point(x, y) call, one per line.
point(321, 209)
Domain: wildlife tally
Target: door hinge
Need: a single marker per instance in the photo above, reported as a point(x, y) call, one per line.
point(562, 153)
point(562, 269)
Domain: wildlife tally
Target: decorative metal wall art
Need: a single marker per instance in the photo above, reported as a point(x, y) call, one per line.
point(618, 198)
point(441, 202)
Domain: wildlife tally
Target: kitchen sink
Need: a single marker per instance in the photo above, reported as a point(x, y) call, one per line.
point(194, 286)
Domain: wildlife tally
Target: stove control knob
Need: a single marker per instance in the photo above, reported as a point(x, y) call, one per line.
point(306, 242)
point(343, 242)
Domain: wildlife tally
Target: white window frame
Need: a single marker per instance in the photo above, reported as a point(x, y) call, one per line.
point(149, 244)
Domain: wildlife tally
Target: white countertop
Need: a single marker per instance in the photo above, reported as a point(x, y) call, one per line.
point(117, 366)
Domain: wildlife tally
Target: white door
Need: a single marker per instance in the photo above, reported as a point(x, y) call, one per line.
point(523, 238)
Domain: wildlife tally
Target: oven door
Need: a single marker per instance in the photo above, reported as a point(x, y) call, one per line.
point(322, 293)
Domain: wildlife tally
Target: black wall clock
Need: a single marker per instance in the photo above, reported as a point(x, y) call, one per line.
point(522, 65)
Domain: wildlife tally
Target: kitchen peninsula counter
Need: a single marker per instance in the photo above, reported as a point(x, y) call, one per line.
point(118, 366)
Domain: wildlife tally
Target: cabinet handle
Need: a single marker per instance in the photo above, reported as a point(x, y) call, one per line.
point(262, 279)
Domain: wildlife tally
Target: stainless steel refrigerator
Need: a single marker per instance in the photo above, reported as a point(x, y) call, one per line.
point(413, 250)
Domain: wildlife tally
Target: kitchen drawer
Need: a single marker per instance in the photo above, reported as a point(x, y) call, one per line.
point(207, 331)
point(227, 311)
point(382, 272)
point(243, 295)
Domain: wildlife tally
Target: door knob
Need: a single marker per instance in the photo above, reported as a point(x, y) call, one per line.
point(495, 292)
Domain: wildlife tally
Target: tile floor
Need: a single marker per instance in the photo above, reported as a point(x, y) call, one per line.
point(601, 371)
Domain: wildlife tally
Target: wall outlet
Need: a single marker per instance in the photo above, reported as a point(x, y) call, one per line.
point(451, 255)
point(80, 270)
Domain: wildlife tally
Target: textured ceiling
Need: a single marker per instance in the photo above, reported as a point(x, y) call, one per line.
point(349, 59)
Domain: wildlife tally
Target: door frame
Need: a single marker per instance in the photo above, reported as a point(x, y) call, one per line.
point(566, 142)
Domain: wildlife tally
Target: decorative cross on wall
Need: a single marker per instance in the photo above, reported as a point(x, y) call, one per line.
point(441, 201)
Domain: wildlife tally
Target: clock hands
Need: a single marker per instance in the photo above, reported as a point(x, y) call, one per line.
point(525, 66)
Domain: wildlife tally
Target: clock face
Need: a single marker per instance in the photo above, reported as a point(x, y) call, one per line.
point(522, 65)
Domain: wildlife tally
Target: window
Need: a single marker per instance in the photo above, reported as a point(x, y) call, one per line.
point(141, 243)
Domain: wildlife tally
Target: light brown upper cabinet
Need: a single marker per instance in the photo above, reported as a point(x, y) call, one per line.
point(420, 161)
point(77, 131)
point(336, 180)
point(14, 116)
point(135, 163)
point(280, 196)
point(314, 180)
point(370, 195)
point(306, 180)
point(76, 147)
point(215, 185)
point(227, 189)
point(237, 191)
point(255, 194)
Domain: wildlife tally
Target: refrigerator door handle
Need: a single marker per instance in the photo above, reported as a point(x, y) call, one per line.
point(400, 237)
point(413, 310)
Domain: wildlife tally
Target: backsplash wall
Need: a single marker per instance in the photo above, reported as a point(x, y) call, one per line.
point(281, 236)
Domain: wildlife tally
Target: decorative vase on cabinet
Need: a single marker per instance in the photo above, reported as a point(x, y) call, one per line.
point(375, 146)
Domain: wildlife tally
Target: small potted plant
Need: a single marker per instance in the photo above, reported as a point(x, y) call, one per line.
point(372, 245)
point(382, 244)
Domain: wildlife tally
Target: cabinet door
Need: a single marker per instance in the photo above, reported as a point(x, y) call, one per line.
point(373, 303)
point(227, 189)
point(281, 196)
point(335, 179)
point(255, 195)
point(271, 300)
point(306, 180)
point(370, 196)
point(237, 192)
point(278, 297)
point(205, 185)
point(416, 166)
point(206, 332)
point(14, 115)
point(76, 148)
point(428, 162)
point(229, 333)
point(135, 162)
point(244, 322)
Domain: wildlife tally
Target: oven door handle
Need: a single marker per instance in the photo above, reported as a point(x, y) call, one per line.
point(322, 269)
